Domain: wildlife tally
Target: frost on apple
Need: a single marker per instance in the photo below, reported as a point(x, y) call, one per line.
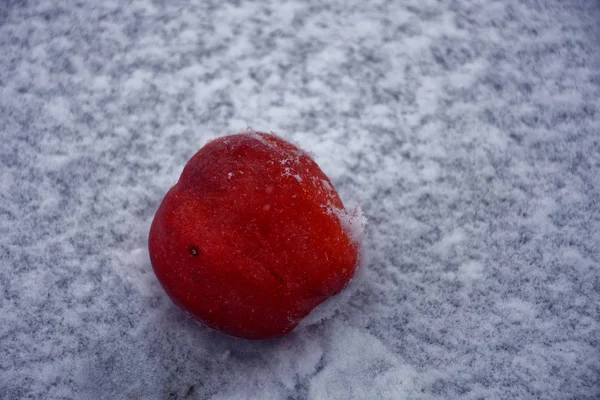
point(353, 222)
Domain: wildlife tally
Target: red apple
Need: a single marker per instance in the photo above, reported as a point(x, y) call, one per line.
point(252, 238)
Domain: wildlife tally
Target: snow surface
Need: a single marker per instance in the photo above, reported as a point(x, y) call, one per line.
point(467, 131)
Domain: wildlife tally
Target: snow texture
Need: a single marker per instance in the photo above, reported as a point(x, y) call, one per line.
point(467, 131)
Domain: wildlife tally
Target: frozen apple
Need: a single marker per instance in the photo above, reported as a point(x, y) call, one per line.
point(252, 237)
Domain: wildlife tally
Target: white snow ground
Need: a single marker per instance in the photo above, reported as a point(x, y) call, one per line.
point(468, 131)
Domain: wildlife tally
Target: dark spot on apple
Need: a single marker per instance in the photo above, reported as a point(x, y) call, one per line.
point(277, 277)
point(194, 251)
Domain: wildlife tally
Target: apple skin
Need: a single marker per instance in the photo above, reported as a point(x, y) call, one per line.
point(249, 241)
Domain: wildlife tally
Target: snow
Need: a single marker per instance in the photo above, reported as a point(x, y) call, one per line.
point(466, 132)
